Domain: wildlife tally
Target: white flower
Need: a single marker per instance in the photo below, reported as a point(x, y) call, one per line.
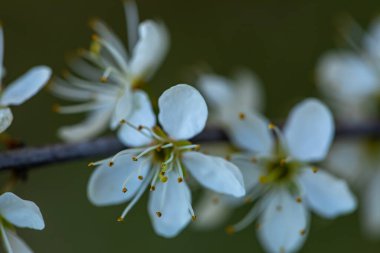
point(358, 161)
point(350, 78)
point(16, 212)
point(19, 90)
point(284, 184)
point(164, 164)
point(107, 79)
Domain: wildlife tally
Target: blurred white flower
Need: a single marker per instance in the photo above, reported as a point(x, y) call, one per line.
point(19, 90)
point(283, 183)
point(164, 163)
point(16, 212)
point(107, 79)
point(350, 78)
point(351, 82)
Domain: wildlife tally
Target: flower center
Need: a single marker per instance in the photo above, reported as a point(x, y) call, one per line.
point(279, 170)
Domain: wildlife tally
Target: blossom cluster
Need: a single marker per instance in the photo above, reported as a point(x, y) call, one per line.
point(284, 173)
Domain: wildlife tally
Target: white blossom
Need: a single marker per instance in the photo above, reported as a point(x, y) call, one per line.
point(16, 212)
point(163, 159)
point(19, 90)
point(284, 183)
point(107, 79)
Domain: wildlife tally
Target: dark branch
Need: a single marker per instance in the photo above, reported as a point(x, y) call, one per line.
point(32, 157)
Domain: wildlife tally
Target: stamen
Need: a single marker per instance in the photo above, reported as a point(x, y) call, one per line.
point(248, 219)
point(241, 116)
point(195, 147)
point(123, 152)
point(189, 206)
point(78, 108)
point(113, 51)
point(146, 151)
point(106, 74)
point(169, 160)
point(153, 184)
point(138, 129)
point(137, 196)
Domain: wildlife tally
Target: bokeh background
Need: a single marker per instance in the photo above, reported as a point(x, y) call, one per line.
point(280, 40)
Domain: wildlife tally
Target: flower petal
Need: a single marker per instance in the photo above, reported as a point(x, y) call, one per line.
point(251, 133)
point(250, 171)
point(183, 111)
point(371, 206)
point(326, 195)
point(25, 86)
point(309, 130)
point(142, 114)
point(106, 183)
point(173, 204)
point(217, 90)
point(93, 125)
point(123, 108)
point(212, 210)
point(150, 50)
point(16, 243)
point(346, 76)
point(19, 212)
point(284, 223)
point(215, 173)
point(1, 52)
point(6, 118)
point(249, 91)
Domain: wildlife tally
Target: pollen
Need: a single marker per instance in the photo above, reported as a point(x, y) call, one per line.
point(125, 190)
point(271, 126)
point(180, 180)
point(152, 188)
point(299, 200)
point(230, 230)
point(111, 163)
point(123, 121)
point(140, 177)
point(263, 180)
point(164, 179)
point(103, 79)
point(241, 116)
point(159, 214)
point(315, 169)
point(120, 219)
point(134, 158)
point(194, 218)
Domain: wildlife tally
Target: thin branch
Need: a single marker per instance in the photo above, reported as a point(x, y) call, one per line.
point(34, 157)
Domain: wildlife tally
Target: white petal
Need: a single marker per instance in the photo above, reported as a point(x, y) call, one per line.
point(19, 212)
point(348, 159)
point(371, 41)
point(183, 111)
point(92, 126)
point(309, 130)
point(123, 108)
point(142, 114)
point(105, 186)
point(172, 203)
point(6, 118)
point(250, 171)
point(25, 86)
point(132, 18)
point(217, 90)
point(212, 210)
point(251, 133)
point(371, 207)
point(249, 91)
point(346, 76)
point(283, 225)
point(16, 243)
point(215, 173)
point(150, 50)
point(327, 195)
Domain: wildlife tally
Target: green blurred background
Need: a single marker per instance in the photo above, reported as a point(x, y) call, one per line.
point(280, 40)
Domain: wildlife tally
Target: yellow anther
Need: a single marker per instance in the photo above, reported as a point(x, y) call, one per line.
point(159, 214)
point(164, 179)
point(230, 230)
point(123, 121)
point(271, 126)
point(299, 200)
point(228, 157)
point(134, 158)
point(125, 190)
point(140, 177)
point(248, 200)
point(302, 232)
point(215, 200)
point(120, 219)
point(315, 169)
point(111, 163)
point(103, 79)
point(90, 164)
point(241, 116)
point(180, 180)
point(55, 108)
point(163, 166)
point(258, 226)
point(95, 37)
point(197, 148)
point(282, 162)
point(263, 180)
point(140, 127)
point(194, 218)
point(152, 188)
point(162, 173)
point(254, 160)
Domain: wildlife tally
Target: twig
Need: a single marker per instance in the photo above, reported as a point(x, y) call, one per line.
point(33, 157)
